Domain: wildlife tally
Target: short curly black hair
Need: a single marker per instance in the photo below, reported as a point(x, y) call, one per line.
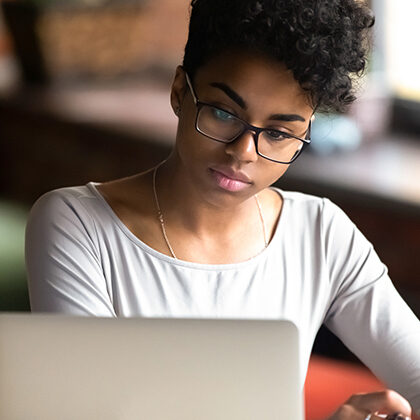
point(323, 42)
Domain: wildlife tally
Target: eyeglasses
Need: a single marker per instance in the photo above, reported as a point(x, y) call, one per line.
point(220, 125)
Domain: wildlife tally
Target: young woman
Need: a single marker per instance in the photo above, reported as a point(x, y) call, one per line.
point(203, 234)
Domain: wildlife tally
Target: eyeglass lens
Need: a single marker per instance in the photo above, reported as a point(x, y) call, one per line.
point(222, 126)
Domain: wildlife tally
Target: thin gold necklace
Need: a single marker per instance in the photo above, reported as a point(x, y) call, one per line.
point(162, 223)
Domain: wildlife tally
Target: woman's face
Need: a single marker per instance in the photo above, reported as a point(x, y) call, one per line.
point(254, 88)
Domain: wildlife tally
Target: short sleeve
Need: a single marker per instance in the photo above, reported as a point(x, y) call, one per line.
point(366, 311)
point(62, 258)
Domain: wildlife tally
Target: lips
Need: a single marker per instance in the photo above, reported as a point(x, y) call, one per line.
point(232, 174)
point(230, 180)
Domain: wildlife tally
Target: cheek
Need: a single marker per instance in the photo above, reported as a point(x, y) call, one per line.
point(193, 146)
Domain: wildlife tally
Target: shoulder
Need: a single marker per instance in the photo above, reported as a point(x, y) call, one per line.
point(302, 211)
point(301, 200)
point(308, 216)
point(306, 206)
point(68, 200)
point(340, 239)
point(64, 210)
point(324, 229)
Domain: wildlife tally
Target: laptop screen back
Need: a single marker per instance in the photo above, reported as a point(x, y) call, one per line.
point(55, 367)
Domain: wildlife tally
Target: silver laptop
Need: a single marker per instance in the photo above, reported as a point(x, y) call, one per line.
point(68, 368)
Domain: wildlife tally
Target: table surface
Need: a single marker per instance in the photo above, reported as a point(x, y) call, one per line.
point(386, 169)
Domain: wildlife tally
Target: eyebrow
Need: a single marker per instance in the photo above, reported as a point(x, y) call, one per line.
point(231, 93)
point(241, 102)
point(287, 117)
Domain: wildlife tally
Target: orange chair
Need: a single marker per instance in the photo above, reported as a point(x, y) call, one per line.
point(330, 382)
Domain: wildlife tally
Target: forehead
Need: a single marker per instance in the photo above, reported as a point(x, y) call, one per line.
point(261, 81)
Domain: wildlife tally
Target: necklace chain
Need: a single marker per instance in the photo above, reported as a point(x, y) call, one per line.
point(262, 220)
point(159, 212)
point(162, 223)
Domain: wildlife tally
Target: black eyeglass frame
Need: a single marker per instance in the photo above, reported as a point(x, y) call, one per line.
point(247, 127)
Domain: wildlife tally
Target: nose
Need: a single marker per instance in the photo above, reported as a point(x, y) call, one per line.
point(243, 148)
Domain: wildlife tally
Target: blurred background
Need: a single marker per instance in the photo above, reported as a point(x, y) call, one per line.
point(84, 96)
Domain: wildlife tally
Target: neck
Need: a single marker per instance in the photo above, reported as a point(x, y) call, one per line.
point(183, 204)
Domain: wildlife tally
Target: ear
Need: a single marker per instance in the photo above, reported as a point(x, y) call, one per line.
point(178, 90)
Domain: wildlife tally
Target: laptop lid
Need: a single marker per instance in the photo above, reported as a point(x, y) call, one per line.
point(55, 367)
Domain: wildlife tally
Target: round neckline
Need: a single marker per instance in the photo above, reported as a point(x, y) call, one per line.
point(190, 264)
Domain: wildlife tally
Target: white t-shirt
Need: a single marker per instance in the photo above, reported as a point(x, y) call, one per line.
point(318, 268)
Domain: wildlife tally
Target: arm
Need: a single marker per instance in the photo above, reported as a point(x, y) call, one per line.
point(63, 259)
point(366, 311)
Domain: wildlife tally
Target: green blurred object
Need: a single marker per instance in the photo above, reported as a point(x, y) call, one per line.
point(13, 287)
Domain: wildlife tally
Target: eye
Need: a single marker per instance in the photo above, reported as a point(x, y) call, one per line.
point(221, 115)
point(275, 135)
